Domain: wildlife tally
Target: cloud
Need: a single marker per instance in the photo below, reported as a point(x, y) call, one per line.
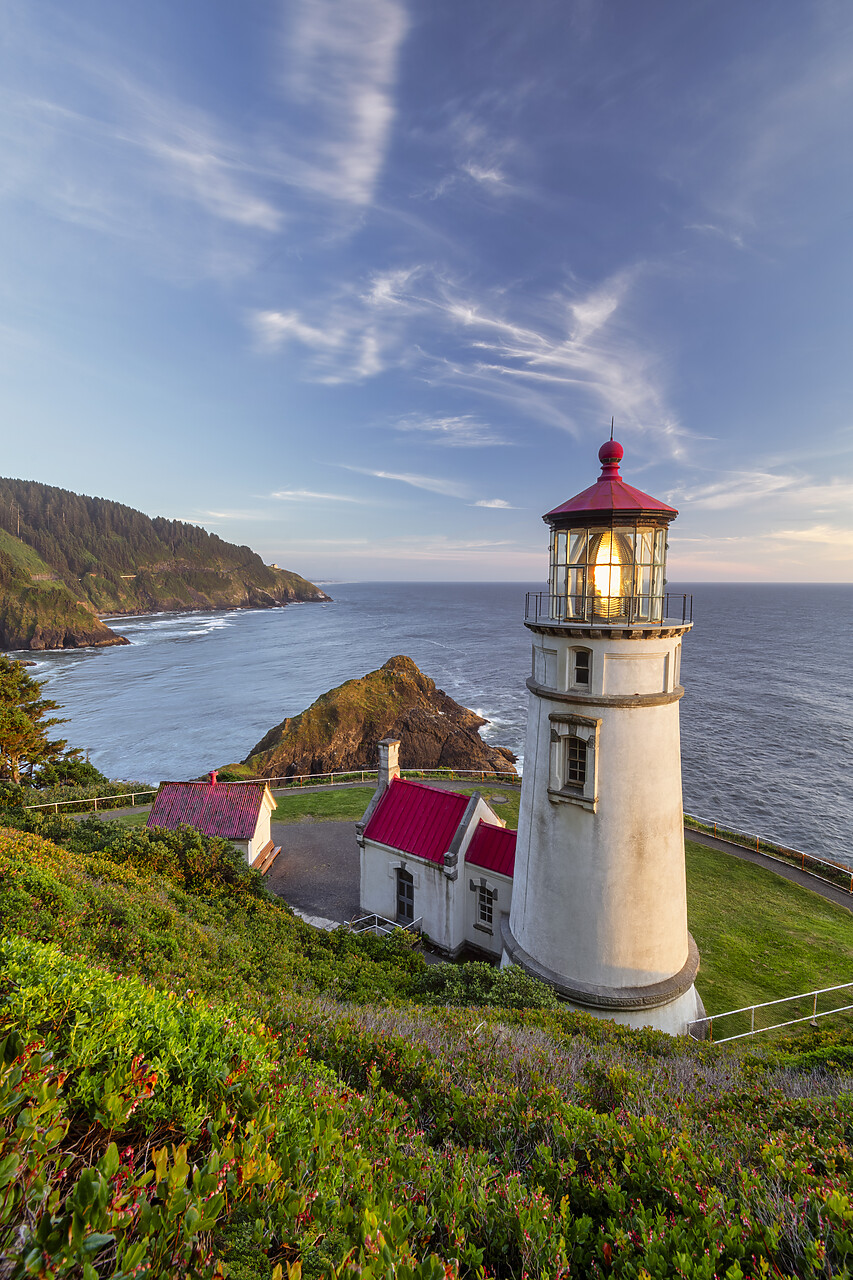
point(838, 540)
point(463, 431)
point(551, 358)
point(497, 503)
point(308, 495)
point(432, 484)
point(341, 69)
point(342, 351)
point(742, 488)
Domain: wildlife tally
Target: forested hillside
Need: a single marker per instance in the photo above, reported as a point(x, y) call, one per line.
point(65, 558)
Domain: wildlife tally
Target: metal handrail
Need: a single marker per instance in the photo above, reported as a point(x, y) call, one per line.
point(766, 1004)
point(644, 610)
point(377, 924)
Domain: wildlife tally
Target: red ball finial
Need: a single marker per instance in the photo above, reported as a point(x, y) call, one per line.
point(612, 451)
point(610, 455)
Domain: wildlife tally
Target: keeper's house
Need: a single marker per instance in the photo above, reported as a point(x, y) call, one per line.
point(237, 812)
point(435, 857)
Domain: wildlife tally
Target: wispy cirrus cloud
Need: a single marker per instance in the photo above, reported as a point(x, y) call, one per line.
point(340, 61)
point(564, 354)
point(742, 488)
point(309, 495)
point(833, 538)
point(463, 431)
point(497, 504)
point(432, 484)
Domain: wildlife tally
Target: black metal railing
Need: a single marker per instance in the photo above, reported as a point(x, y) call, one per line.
point(669, 609)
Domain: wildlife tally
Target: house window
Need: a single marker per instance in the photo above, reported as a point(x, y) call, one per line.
point(575, 753)
point(405, 897)
point(581, 665)
point(485, 906)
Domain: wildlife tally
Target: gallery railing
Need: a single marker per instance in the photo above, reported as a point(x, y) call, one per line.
point(669, 609)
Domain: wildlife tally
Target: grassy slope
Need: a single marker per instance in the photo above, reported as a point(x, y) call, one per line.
point(365, 1137)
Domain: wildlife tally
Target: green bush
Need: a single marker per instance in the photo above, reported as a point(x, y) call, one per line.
point(482, 984)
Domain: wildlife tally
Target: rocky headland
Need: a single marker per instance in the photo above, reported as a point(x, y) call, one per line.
point(342, 728)
point(66, 559)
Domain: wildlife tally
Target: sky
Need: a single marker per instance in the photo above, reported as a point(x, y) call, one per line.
point(361, 283)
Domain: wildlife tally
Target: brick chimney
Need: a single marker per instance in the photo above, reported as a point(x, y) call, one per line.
point(213, 777)
point(389, 762)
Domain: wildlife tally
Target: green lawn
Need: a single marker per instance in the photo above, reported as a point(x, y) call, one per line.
point(761, 937)
point(131, 819)
point(347, 804)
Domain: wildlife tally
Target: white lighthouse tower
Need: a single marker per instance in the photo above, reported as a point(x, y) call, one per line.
point(599, 907)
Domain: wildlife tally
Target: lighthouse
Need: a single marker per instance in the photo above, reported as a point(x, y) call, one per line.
point(599, 905)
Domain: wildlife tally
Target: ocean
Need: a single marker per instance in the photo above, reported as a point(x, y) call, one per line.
point(766, 721)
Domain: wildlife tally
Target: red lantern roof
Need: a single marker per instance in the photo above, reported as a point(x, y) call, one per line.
point(610, 493)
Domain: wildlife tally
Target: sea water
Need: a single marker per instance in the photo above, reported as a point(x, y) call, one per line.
point(766, 721)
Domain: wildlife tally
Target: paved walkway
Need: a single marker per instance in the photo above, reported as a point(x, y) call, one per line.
point(317, 870)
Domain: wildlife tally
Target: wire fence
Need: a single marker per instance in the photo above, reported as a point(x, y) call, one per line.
point(834, 873)
point(348, 777)
point(740, 1023)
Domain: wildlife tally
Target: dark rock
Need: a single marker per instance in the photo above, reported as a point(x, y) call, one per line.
point(342, 729)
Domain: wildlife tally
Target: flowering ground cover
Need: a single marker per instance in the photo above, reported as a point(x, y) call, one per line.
point(193, 1082)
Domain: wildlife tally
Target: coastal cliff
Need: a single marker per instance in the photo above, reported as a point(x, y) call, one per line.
point(342, 728)
point(66, 558)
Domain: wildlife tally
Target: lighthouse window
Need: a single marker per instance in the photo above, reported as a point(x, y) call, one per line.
point(575, 762)
point(574, 754)
point(581, 666)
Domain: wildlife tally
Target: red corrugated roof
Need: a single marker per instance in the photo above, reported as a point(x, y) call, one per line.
point(610, 492)
point(417, 819)
point(492, 848)
point(216, 809)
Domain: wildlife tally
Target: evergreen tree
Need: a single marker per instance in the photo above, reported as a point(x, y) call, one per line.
point(24, 724)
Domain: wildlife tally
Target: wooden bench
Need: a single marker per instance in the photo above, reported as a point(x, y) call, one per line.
point(266, 857)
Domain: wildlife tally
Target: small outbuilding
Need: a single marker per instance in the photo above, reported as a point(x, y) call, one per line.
point(436, 858)
point(239, 812)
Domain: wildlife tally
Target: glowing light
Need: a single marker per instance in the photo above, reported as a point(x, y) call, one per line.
point(607, 572)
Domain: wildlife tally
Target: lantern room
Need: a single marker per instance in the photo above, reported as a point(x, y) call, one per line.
point(608, 552)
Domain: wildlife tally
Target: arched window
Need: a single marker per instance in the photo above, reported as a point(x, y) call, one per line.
point(581, 668)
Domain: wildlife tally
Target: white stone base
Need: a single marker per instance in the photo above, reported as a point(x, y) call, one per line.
point(673, 1018)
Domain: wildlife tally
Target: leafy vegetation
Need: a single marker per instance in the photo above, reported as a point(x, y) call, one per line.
point(24, 721)
point(193, 1082)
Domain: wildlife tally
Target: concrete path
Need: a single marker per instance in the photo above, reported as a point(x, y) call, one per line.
point(783, 869)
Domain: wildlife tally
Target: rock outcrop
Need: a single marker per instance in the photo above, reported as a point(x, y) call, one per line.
point(342, 728)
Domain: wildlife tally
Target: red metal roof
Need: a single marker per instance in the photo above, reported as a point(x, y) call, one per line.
point(610, 492)
point(229, 810)
point(492, 848)
point(417, 819)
